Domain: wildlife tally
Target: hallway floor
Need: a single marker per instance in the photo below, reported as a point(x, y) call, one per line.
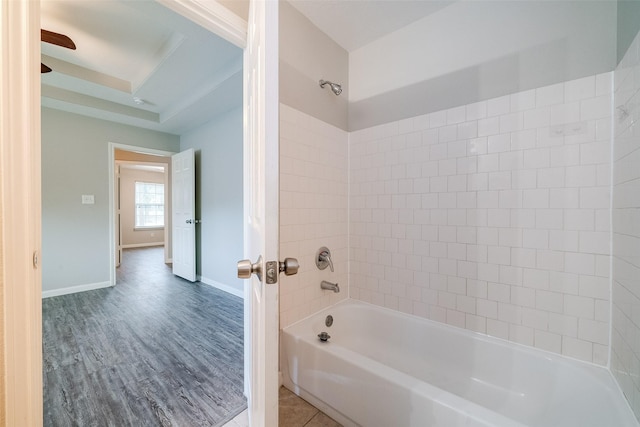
point(154, 350)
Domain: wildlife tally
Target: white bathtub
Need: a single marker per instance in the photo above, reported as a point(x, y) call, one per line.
point(384, 368)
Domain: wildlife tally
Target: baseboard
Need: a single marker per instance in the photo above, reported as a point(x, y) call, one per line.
point(75, 289)
point(142, 245)
point(237, 291)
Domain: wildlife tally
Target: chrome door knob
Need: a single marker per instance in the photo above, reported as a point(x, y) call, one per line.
point(289, 266)
point(246, 268)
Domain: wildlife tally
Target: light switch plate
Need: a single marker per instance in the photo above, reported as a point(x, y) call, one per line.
point(88, 199)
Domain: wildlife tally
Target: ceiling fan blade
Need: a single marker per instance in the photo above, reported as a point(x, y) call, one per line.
point(57, 39)
point(44, 68)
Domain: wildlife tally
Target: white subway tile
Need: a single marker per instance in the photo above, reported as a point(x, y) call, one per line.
point(579, 263)
point(535, 238)
point(499, 180)
point(499, 143)
point(594, 197)
point(497, 328)
point(547, 341)
point(537, 118)
point(437, 119)
point(468, 130)
point(593, 331)
point(523, 140)
point(549, 95)
point(550, 260)
point(523, 179)
point(595, 242)
point(447, 133)
point(549, 301)
point(488, 162)
point(456, 115)
point(594, 287)
point(498, 106)
point(564, 198)
point(538, 198)
point(523, 100)
point(551, 219)
point(488, 126)
point(563, 324)
point(577, 349)
point(564, 113)
point(566, 155)
point(476, 111)
point(581, 176)
point(551, 177)
point(595, 108)
point(511, 122)
point(536, 158)
point(604, 83)
point(579, 89)
point(566, 241)
point(581, 307)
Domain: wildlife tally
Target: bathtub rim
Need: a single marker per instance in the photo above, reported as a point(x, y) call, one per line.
point(600, 371)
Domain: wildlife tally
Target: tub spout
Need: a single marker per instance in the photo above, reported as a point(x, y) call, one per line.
point(330, 286)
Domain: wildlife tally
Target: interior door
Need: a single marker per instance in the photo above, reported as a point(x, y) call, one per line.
point(261, 211)
point(183, 190)
point(118, 224)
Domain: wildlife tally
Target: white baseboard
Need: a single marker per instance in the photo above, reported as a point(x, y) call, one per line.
point(233, 290)
point(75, 289)
point(142, 245)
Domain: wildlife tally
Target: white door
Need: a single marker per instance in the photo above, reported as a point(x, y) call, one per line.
point(118, 224)
point(183, 198)
point(261, 211)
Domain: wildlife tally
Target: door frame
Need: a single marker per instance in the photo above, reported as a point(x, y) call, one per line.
point(112, 147)
point(20, 189)
point(20, 215)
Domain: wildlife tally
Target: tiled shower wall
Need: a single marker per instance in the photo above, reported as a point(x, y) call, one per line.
point(625, 349)
point(313, 211)
point(492, 216)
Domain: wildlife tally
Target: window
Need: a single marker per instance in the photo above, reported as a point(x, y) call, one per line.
point(149, 205)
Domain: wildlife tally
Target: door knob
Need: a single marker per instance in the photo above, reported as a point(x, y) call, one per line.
point(289, 266)
point(246, 268)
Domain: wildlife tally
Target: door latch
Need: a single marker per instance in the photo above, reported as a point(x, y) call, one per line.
point(289, 267)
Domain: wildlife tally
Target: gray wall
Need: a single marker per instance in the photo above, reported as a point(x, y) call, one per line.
point(75, 237)
point(628, 25)
point(306, 56)
point(218, 147)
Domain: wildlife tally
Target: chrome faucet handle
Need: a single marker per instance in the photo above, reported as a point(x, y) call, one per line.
point(323, 258)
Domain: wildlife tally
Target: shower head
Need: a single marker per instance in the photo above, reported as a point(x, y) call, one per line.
point(335, 87)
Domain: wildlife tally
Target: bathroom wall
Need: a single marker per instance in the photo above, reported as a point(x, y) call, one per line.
point(625, 345)
point(492, 216)
point(473, 51)
point(306, 56)
point(313, 164)
point(313, 211)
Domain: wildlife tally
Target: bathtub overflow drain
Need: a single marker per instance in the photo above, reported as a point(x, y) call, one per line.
point(328, 321)
point(324, 337)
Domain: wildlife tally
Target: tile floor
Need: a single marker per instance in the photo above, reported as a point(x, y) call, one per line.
point(294, 412)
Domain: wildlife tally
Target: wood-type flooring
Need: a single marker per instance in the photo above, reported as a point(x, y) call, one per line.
point(154, 350)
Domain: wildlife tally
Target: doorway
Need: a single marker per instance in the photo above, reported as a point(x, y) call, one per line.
point(141, 160)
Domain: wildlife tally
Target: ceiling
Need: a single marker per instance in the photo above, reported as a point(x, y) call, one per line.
point(355, 23)
point(180, 74)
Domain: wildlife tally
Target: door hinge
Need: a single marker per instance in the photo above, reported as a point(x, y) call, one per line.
point(36, 259)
